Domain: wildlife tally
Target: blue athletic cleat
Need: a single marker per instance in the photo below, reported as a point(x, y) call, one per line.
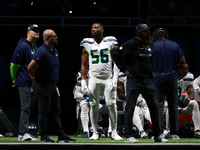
point(86, 135)
point(109, 134)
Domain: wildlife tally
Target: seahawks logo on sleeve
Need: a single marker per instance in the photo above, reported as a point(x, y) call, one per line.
point(78, 77)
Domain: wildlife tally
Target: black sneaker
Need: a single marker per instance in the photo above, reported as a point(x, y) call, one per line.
point(85, 135)
point(46, 140)
point(65, 139)
point(196, 134)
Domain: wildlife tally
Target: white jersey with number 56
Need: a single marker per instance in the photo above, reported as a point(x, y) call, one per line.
point(100, 61)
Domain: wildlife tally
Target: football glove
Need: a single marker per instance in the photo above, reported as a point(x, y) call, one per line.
point(113, 85)
point(84, 87)
point(141, 102)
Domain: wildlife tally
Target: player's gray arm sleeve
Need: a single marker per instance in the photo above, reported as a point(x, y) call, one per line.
point(77, 93)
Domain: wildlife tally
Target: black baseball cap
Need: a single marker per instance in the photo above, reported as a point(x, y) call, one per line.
point(143, 27)
point(32, 26)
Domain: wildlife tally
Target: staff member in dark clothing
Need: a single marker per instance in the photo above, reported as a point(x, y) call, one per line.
point(138, 57)
point(167, 55)
point(22, 56)
point(44, 68)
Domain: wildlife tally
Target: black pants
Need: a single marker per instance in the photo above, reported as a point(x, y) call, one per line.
point(48, 105)
point(170, 90)
point(27, 102)
point(147, 89)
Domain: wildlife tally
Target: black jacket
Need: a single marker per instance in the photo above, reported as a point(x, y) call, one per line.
point(136, 57)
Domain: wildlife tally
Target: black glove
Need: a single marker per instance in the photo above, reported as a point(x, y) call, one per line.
point(183, 102)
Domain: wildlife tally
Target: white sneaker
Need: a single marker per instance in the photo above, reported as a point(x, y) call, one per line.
point(160, 139)
point(27, 137)
point(1, 135)
point(166, 133)
point(143, 135)
point(131, 139)
point(33, 139)
point(174, 137)
point(95, 136)
point(19, 137)
point(115, 136)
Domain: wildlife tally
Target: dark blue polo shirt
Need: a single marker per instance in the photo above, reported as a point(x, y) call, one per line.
point(48, 71)
point(166, 58)
point(22, 56)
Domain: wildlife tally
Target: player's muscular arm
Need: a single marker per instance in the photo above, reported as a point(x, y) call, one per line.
point(84, 64)
point(190, 92)
point(121, 91)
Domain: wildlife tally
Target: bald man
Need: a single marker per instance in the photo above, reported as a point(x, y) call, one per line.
point(44, 69)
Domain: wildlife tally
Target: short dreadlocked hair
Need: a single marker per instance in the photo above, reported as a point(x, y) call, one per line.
point(159, 35)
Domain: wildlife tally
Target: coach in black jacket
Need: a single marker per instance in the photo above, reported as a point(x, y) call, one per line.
point(136, 59)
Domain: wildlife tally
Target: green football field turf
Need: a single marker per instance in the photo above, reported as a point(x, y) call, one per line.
point(101, 140)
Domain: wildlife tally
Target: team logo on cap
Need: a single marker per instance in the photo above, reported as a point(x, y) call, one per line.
point(32, 26)
point(35, 25)
point(143, 26)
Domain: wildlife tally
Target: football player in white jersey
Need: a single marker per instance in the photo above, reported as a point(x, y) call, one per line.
point(141, 109)
point(84, 108)
point(141, 112)
point(187, 105)
point(121, 89)
point(196, 86)
point(96, 57)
